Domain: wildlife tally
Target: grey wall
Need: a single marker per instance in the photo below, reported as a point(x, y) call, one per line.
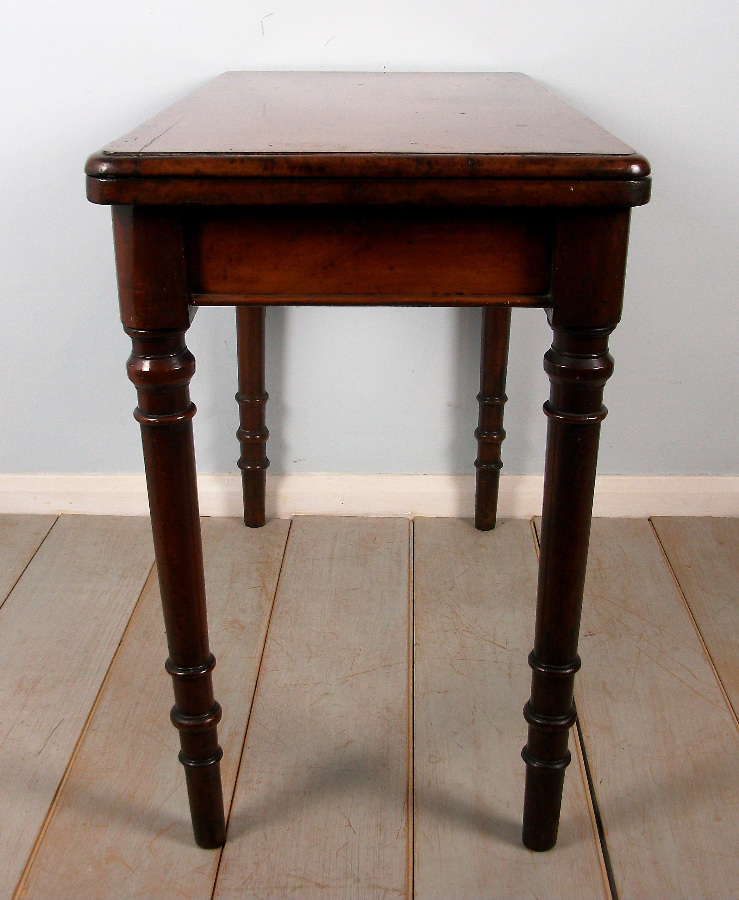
point(661, 75)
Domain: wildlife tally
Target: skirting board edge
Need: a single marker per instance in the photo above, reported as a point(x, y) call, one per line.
point(630, 496)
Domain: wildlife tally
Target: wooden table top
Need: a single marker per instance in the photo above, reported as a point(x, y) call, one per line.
point(303, 125)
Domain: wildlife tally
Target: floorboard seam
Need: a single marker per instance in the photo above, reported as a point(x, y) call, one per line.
point(589, 783)
point(608, 867)
point(33, 556)
point(716, 672)
point(251, 705)
point(18, 892)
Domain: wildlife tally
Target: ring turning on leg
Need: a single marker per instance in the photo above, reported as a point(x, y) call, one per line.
point(496, 325)
point(578, 366)
point(161, 367)
point(252, 398)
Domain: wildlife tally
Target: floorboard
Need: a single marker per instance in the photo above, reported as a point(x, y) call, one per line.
point(321, 802)
point(474, 616)
point(92, 797)
point(660, 738)
point(121, 829)
point(704, 555)
point(20, 538)
point(59, 629)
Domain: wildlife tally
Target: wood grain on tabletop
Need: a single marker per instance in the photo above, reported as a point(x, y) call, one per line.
point(392, 124)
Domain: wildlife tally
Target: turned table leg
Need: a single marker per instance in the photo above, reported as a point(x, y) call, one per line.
point(252, 398)
point(578, 366)
point(496, 327)
point(161, 367)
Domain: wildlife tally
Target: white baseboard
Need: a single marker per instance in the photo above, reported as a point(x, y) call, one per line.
point(372, 495)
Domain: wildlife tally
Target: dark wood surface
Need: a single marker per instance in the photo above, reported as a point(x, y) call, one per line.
point(252, 400)
point(252, 129)
point(490, 434)
point(369, 255)
point(430, 125)
point(161, 366)
point(155, 315)
point(591, 254)
point(467, 192)
point(432, 189)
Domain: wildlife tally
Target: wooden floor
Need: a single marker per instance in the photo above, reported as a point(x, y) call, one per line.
point(372, 674)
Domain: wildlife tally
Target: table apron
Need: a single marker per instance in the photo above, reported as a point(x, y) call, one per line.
point(368, 256)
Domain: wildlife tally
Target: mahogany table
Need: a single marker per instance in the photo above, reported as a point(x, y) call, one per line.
point(377, 189)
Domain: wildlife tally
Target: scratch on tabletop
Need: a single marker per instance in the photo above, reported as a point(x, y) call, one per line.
point(161, 134)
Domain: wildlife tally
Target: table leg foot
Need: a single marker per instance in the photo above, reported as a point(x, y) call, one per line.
point(161, 367)
point(205, 794)
point(578, 366)
point(542, 803)
point(252, 398)
point(496, 325)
